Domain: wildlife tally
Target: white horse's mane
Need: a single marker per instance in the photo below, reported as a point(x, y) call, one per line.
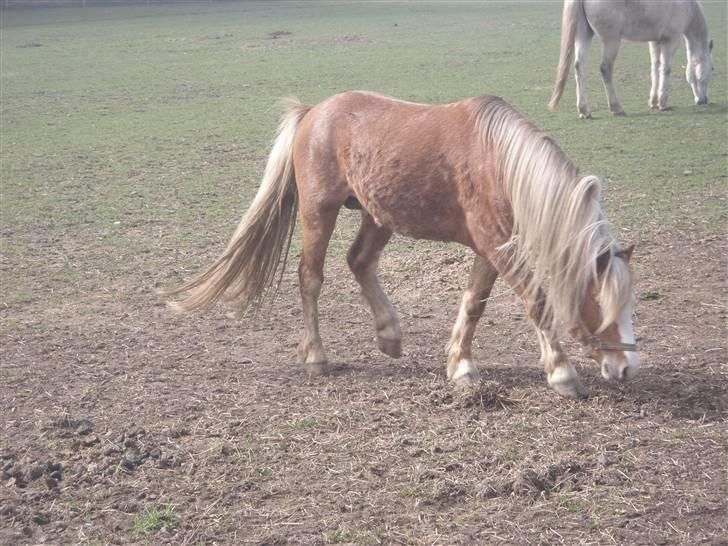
point(559, 228)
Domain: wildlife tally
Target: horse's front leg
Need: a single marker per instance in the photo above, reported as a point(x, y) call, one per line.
point(560, 373)
point(654, 73)
point(667, 52)
point(460, 367)
point(611, 47)
point(363, 258)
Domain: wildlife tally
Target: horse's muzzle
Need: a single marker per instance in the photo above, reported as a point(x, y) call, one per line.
point(701, 101)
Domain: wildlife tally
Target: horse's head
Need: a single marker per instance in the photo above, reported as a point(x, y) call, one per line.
point(605, 328)
point(698, 73)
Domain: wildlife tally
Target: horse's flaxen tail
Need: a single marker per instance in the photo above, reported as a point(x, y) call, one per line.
point(569, 21)
point(254, 254)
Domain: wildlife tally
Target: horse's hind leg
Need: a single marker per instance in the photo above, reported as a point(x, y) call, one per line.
point(582, 44)
point(318, 224)
point(460, 367)
point(611, 48)
point(654, 72)
point(363, 259)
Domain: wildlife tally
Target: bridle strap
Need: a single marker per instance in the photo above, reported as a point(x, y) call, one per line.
point(595, 343)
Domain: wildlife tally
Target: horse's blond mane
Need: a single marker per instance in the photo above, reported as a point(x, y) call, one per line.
point(559, 228)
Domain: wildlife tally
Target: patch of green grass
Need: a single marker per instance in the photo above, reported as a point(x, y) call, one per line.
point(153, 520)
point(648, 295)
point(304, 423)
point(413, 492)
point(347, 535)
point(570, 504)
point(251, 460)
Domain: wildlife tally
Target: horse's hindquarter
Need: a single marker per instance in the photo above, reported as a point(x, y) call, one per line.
point(638, 20)
point(415, 168)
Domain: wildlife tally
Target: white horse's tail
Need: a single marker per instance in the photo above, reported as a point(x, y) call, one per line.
point(573, 10)
point(254, 254)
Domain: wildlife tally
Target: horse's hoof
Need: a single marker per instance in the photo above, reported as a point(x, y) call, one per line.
point(317, 369)
point(665, 108)
point(571, 388)
point(619, 113)
point(465, 375)
point(467, 381)
point(586, 115)
point(390, 347)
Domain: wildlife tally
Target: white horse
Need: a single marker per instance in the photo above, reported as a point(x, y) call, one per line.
point(659, 23)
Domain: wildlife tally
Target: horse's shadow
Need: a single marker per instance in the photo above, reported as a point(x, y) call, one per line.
point(708, 109)
point(692, 394)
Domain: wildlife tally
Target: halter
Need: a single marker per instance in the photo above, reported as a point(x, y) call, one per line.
point(597, 344)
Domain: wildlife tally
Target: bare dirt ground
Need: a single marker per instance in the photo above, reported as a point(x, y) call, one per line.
point(126, 423)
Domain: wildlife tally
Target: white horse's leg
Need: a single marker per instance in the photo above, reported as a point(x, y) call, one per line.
point(667, 51)
point(363, 258)
point(611, 48)
point(654, 72)
point(460, 367)
point(318, 225)
point(581, 52)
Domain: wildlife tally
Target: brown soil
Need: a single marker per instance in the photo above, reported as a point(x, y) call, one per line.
point(114, 409)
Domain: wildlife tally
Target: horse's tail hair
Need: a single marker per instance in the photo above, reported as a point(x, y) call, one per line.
point(248, 267)
point(573, 9)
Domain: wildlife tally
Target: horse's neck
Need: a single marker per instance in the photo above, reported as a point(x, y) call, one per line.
point(696, 33)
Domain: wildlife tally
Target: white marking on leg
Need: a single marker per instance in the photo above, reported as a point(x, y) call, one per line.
point(466, 368)
point(563, 374)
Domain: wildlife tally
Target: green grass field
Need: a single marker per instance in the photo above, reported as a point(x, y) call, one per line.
point(152, 108)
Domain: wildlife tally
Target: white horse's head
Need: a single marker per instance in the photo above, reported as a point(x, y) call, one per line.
point(698, 73)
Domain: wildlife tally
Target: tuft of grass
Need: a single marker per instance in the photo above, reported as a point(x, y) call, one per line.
point(347, 535)
point(153, 520)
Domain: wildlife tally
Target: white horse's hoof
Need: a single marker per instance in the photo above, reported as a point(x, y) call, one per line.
point(586, 115)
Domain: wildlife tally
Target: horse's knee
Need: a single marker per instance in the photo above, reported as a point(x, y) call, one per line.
point(606, 71)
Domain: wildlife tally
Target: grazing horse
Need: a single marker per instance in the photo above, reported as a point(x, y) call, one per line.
point(475, 172)
point(659, 23)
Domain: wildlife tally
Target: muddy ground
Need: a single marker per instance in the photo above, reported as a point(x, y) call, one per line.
point(126, 423)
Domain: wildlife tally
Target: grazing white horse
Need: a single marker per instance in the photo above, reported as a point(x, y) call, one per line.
point(661, 23)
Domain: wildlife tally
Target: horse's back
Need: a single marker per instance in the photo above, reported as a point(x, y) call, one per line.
point(638, 20)
point(402, 161)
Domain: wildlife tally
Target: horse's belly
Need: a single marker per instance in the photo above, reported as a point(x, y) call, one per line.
point(422, 209)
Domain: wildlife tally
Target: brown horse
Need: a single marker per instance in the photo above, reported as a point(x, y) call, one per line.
point(475, 172)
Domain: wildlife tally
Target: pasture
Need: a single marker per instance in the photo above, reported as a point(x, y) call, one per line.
point(133, 138)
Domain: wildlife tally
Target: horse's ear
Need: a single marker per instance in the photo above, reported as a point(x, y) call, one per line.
point(625, 253)
point(710, 46)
